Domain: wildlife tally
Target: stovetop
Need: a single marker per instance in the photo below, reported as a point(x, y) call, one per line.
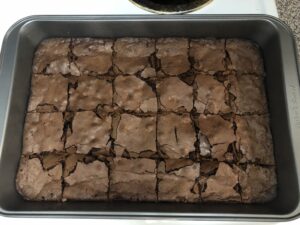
point(13, 10)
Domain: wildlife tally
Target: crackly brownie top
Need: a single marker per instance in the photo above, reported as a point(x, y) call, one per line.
point(93, 56)
point(135, 134)
point(179, 184)
point(254, 139)
point(89, 92)
point(132, 54)
point(36, 183)
point(258, 183)
point(222, 185)
point(249, 94)
point(211, 95)
point(43, 132)
point(133, 179)
point(173, 55)
point(87, 181)
point(87, 172)
point(175, 135)
point(216, 129)
point(134, 94)
point(208, 54)
point(170, 119)
point(49, 93)
point(89, 131)
point(52, 56)
point(244, 56)
point(175, 95)
point(92, 46)
point(215, 137)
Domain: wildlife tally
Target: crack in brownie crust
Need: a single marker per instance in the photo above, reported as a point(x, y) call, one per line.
point(143, 119)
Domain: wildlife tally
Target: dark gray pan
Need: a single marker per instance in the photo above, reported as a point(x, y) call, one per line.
point(282, 84)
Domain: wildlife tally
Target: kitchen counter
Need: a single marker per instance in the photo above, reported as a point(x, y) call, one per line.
point(289, 11)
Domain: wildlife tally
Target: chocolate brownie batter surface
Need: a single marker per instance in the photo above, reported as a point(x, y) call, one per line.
point(143, 119)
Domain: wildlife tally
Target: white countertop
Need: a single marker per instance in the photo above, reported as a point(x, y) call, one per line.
point(13, 10)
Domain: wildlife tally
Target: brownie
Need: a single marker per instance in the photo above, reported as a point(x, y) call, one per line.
point(208, 55)
point(134, 94)
point(133, 179)
point(133, 54)
point(51, 159)
point(135, 135)
point(254, 139)
point(258, 184)
point(89, 131)
point(248, 94)
point(221, 186)
point(93, 56)
point(43, 132)
point(245, 57)
point(149, 73)
point(87, 182)
point(216, 134)
point(173, 55)
point(89, 93)
point(175, 135)
point(175, 95)
point(212, 95)
point(71, 160)
point(52, 57)
point(48, 93)
point(35, 183)
point(170, 165)
point(144, 119)
point(208, 167)
point(179, 184)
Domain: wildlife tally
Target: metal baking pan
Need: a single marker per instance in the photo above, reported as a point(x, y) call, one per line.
point(282, 85)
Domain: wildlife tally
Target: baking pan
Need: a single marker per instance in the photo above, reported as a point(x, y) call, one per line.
point(282, 85)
